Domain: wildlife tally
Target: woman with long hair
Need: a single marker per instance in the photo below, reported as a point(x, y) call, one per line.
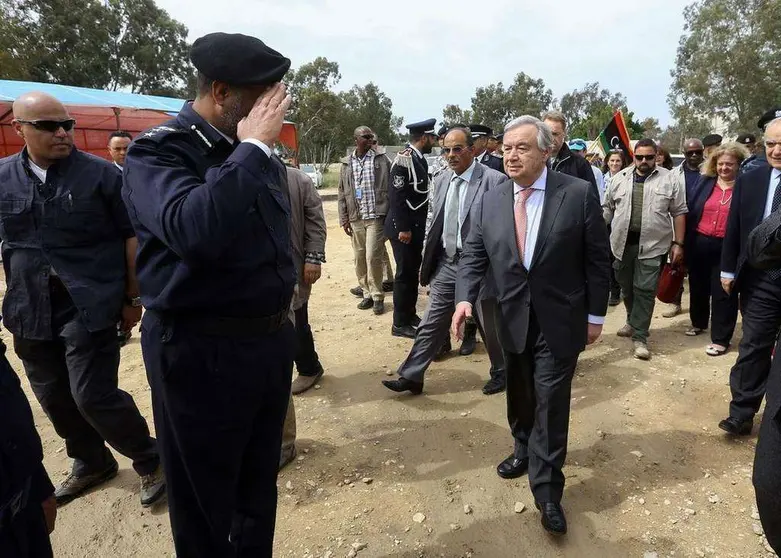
point(664, 159)
point(706, 225)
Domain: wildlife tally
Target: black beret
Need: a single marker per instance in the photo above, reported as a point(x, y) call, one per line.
point(238, 59)
point(478, 130)
point(746, 138)
point(772, 114)
point(711, 140)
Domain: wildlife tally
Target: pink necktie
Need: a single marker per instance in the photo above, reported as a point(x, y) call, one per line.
point(520, 219)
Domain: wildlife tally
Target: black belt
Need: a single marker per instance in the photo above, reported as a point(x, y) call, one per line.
point(15, 504)
point(224, 326)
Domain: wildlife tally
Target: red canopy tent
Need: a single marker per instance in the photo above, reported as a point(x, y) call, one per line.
point(98, 113)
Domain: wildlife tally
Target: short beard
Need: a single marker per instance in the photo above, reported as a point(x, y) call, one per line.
point(231, 117)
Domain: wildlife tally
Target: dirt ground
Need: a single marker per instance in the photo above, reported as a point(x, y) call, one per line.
point(649, 474)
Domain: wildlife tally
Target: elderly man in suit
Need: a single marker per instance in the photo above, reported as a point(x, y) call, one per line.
point(542, 236)
point(755, 196)
point(458, 192)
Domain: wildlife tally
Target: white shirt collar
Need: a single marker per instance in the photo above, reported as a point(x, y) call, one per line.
point(539, 184)
point(774, 174)
point(416, 150)
point(117, 165)
point(466, 176)
point(230, 140)
point(369, 153)
point(478, 157)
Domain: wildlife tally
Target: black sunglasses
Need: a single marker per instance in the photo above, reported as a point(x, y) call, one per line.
point(50, 125)
point(645, 157)
point(694, 152)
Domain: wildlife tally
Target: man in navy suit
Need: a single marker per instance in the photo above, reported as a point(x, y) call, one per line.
point(756, 195)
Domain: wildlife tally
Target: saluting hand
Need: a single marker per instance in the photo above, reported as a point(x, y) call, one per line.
point(264, 121)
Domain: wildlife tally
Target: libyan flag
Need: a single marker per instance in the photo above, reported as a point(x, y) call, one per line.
point(615, 136)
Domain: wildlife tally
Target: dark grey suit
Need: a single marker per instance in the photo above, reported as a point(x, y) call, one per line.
point(439, 273)
point(763, 250)
point(543, 311)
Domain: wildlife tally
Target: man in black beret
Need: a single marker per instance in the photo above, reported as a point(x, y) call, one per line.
point(210, 206)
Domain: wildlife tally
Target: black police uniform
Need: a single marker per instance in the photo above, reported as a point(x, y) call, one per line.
point(408, 196)
point(491, 161)
point(65, 265)
point(24, 484)
point(216, 275)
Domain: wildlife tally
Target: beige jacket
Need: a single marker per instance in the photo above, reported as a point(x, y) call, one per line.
point(307, 230)
point(663, 199)
point(348, 205)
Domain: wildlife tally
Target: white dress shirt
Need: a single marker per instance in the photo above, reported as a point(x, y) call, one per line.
point(772, 184)
point(256, 142)
point(466, 176)
point(118, 166)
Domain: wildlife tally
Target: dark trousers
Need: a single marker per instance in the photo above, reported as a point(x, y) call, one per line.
point(767, 481)
point(405, 284)
point(707, 300)
point(306, 359)
point(538, 404)
point(75, 378)
point(27, 535)
point(219, 406)
point(488, 322)
point(760, 304)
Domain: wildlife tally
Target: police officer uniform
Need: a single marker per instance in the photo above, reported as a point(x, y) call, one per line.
point(487, 159)
point(216, 274)
point(24, 484)
point(408, 196)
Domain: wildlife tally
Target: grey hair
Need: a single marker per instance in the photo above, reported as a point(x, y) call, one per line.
point(544, 134)
point(556, 116)
point(360, 130)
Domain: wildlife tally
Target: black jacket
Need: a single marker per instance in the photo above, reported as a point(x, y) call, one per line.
point(696, 202)
point(746, 212)
point(574, 165)
point(492, 161)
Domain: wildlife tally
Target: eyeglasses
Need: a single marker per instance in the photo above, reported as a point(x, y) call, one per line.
point(50, 126)
point(694, 152)
point(645, 157)
point(457, 150)
point(367, 136)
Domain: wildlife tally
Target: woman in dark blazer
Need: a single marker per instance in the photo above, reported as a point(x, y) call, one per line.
point(706, 225)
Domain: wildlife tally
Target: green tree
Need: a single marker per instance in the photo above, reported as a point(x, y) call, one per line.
point(495, 105)
point(128, 44)
point(368, 106)
point(588, 111)
point(727, 63)
point(651, 128)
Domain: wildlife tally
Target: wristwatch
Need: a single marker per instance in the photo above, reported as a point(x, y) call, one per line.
point(134, 301)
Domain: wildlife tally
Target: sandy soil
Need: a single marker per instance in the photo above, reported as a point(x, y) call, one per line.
point(648, 473)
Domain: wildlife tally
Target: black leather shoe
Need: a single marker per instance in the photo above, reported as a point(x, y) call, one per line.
point(403, 331)
point(496, 384)
point(357, 291)
point(365, 304)
point(74, 486)
point(387, 286)
point(444, 350)
point(470, 339)
point(553, 520)
point(403, 384)
point(379, 307)
point(614, 300)
point(415, 321)
point(512, 467)
point(736, 427)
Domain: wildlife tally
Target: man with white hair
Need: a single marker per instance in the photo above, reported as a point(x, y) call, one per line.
point(552, 284)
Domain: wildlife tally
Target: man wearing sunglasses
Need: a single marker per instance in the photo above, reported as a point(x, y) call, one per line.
point(640, 204)
point(457, 191)
point(69, 256)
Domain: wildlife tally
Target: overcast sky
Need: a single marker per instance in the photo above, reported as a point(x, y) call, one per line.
point(425, 55)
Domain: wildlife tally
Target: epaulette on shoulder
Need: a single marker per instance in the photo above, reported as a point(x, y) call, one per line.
point(159, 132)
point(404, 158)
